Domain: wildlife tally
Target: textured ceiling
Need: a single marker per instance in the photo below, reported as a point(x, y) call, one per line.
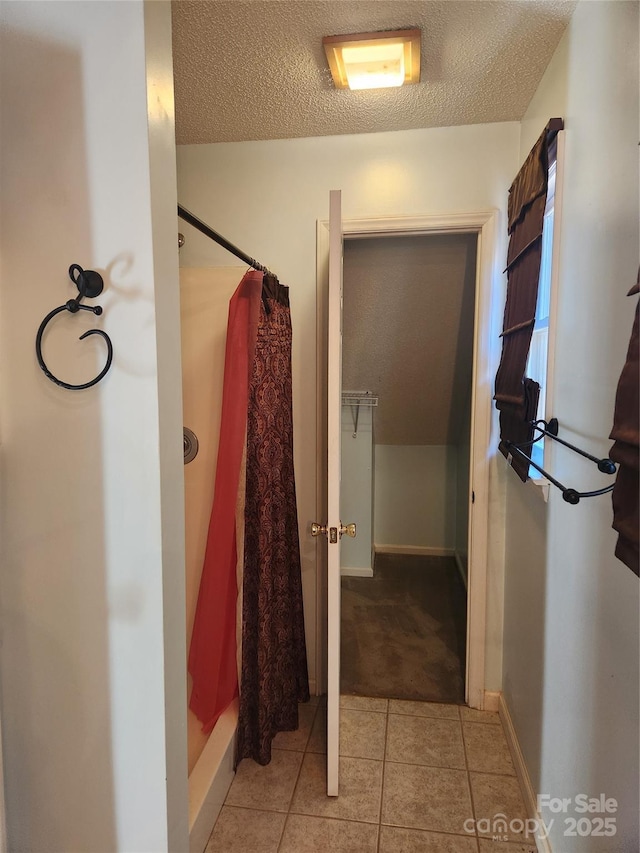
point(256, 69)
point(408, 333)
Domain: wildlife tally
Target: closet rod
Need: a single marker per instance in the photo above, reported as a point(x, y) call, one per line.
point(205, 229)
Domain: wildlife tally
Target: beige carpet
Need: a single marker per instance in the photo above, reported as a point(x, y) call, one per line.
point(403, 630)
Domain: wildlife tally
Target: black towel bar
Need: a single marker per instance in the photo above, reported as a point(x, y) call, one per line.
point(550, 430)
point(90, 285)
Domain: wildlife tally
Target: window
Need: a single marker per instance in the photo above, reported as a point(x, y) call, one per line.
point(537, 363)
point(517, 393)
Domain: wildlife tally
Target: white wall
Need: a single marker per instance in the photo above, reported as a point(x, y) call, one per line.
point(415, 496)
point(93, 694)
point(356, 487)
point(407, 332)
point(266, 198)
point(571, 608)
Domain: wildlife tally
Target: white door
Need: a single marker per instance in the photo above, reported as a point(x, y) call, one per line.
point(332, 528)
point(334, 393)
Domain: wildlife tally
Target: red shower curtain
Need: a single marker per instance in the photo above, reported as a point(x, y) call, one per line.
point(212, 654)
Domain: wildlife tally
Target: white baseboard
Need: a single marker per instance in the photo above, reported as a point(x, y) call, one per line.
point(211, 778)
point(461, 569)
point(414, 550)
point(356, 572)
point(491, 700)
point(529, 795)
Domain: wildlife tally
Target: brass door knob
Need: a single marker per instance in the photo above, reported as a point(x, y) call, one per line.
point(317, 529)
point(349, 529)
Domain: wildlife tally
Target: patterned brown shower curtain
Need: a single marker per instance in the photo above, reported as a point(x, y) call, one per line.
point(274, 663)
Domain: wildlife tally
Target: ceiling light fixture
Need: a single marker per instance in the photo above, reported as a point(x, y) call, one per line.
point(374, 60)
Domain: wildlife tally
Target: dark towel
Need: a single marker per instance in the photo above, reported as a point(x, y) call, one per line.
point(626, 451)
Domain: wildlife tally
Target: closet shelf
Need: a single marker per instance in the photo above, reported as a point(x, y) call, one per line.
point(359, 398)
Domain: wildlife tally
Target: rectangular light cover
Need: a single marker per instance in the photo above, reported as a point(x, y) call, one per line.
point(374, 60)
point(374, 66)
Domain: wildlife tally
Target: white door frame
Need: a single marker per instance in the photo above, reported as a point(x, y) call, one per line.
point(483, 223)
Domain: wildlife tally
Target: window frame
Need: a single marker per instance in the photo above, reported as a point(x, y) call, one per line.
point(547, 392)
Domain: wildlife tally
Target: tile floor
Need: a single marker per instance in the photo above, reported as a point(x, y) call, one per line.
point(411, 774)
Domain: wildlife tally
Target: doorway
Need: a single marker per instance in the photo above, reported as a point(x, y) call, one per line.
point(483, 224)
point(407, 362)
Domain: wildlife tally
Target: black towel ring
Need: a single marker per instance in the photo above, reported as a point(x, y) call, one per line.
point(89, 284)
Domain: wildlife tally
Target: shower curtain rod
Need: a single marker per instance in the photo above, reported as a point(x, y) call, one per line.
point(201, 226)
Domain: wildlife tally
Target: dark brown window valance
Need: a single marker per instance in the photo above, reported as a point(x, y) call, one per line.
point(516, 396)
point(626, 451)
